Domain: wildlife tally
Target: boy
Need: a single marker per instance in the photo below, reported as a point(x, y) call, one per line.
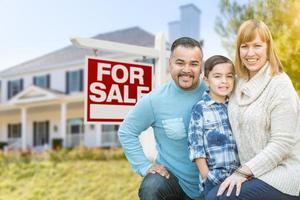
point(211, 143)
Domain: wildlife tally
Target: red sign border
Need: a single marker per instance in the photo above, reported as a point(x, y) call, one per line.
point(87, 118)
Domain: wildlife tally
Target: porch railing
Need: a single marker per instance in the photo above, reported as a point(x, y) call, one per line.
point(73, 140)
point(109, 139)
point(14, 143)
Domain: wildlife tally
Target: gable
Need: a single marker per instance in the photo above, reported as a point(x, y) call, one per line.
point(35, 94)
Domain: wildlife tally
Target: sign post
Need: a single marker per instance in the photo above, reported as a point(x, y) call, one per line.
point(159, 53)
point(113, 88)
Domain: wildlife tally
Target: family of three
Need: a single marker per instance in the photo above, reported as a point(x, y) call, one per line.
point(234, 135)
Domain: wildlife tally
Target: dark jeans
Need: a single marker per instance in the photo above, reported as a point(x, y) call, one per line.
point(157, 187)
point(254, 189)
point(208, 186)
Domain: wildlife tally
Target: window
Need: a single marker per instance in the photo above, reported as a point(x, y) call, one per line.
point(14, 131)
point(42, 81)
point(109, 136)
point(110, 128)
point(14, 87)
point(75, 126)
point(75, 132)
point(74, 81)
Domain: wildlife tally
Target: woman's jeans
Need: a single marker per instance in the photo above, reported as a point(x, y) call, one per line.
point(157, 187)
point(254, 189)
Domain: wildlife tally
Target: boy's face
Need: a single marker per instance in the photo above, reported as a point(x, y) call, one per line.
point(220, 81)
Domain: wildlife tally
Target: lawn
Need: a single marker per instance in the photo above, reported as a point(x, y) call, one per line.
point(70, 179)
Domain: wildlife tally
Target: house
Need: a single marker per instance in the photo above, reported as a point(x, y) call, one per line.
point(42, 100)
point(188, 24)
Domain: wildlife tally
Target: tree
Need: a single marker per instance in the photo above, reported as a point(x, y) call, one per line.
point(281, 16)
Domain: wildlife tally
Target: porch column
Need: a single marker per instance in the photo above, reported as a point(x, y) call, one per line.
point(98, 134)
point(160, 70)
point(24, 127)
point(63, 131)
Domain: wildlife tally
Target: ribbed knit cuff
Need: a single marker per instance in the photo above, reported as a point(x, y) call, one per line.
point(143, 171)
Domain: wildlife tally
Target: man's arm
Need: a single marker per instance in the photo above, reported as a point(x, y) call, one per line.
point(137, 120)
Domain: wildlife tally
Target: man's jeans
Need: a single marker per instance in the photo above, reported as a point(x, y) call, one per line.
point(157, 187)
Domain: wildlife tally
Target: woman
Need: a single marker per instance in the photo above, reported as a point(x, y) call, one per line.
point(264, 114)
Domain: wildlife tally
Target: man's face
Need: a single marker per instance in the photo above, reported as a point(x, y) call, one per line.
point(185, 67)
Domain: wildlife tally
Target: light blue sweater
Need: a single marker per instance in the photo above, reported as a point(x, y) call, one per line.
point(167, 110)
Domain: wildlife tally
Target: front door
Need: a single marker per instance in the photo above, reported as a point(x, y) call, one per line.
point(40, 133)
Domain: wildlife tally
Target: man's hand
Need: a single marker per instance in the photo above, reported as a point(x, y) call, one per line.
point(230, 182)
point(159, 169)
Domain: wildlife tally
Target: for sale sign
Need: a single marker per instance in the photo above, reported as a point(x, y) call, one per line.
point(113, 88)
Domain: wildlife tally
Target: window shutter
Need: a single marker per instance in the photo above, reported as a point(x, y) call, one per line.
point(34, 80)
point(67, 83)
point(21, 85)
point(9, 130)
point(20, 130)
point(34, 134)
point(81, 80)
point(47, 132)
point(8, 90)
point(48, 81)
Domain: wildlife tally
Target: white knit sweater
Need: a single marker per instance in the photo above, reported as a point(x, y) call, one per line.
point(264, 114)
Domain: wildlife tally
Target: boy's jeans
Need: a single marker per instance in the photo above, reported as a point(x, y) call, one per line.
point(208, 185)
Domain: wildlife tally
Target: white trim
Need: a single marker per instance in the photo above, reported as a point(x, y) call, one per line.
point(63, 130)
point(41, 95)
point(116, 47)
point(24, 127)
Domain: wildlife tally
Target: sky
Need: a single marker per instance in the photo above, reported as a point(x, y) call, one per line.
point(32, 28)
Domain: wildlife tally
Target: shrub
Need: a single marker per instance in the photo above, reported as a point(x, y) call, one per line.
point(57, 143)
point(2, 145)
point(83, 153)
point(56, 156)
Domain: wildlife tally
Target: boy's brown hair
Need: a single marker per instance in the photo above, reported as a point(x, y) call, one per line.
point(213, 61)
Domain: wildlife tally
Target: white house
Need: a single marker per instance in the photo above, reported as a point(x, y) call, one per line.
point(42, 100)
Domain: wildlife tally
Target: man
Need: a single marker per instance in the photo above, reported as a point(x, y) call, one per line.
point(167, 110)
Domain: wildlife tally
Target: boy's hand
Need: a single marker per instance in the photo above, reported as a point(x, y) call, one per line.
point(159, 169)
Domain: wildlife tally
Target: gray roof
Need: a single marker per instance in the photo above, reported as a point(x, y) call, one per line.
point(69, 54)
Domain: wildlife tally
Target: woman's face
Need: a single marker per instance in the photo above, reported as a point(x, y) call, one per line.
point(254, 55)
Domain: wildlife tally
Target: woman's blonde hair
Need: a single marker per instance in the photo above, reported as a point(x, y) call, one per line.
point(247, 32)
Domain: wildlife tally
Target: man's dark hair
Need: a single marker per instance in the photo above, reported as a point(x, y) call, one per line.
point(186, 42)
point(213, 61)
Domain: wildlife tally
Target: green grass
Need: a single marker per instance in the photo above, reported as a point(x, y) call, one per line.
point(68, 180)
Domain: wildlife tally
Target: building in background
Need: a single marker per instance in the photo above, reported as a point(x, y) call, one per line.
point(42, 100)
point(188, 25)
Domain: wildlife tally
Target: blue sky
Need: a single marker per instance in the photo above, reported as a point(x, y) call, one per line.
point(33, 28)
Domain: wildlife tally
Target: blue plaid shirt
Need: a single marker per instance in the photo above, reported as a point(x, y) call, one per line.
point(210, 137)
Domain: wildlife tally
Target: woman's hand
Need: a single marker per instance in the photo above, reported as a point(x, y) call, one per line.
point(231, 181)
